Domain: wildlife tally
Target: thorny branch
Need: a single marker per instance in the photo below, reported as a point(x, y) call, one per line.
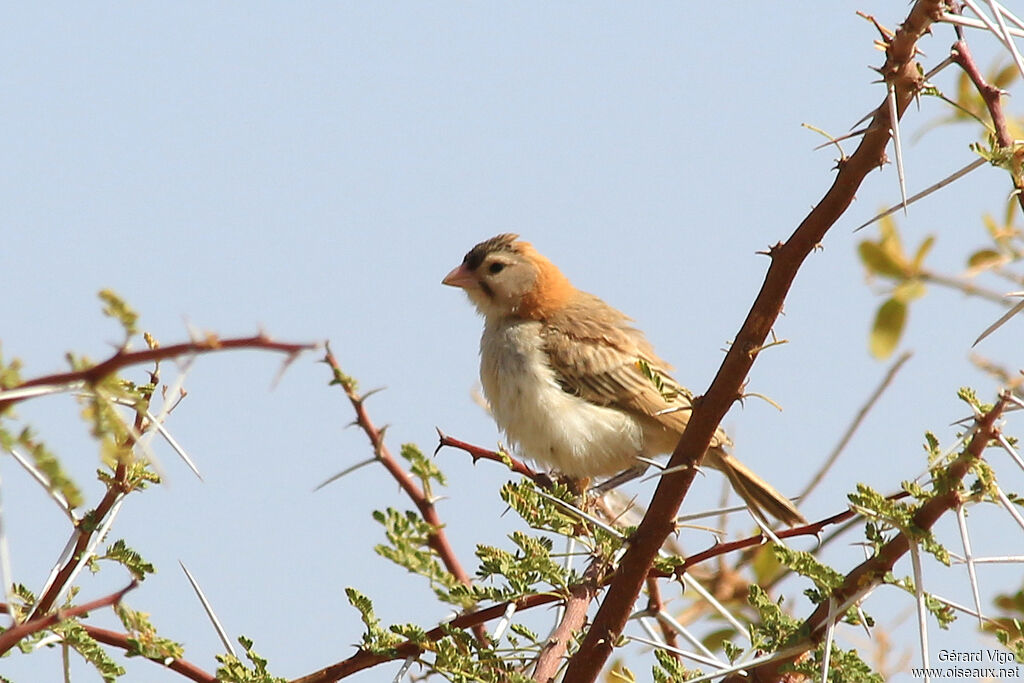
point(124, 358)
point(478, 453)
point(573, 618)
point(870, 573)
point(902, 74)
point(437, 538)
point(11, 636)
point(127, 643)
point(993, 98)
point(363, 659)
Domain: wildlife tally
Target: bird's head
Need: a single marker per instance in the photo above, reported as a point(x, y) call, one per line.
point(504, 277)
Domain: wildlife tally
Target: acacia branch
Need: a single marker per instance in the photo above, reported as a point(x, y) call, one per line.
point(436, 539)
point(364, 659)
point(573, 618)
point(478, 453)
point(655, 607)
point(993, 99)
point(902, 74)
point(870, 573)
point(124, 358)
point(92, 522)
point(126, 642)
point(14, 634)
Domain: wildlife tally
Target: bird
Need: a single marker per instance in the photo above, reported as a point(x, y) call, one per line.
point(573, 384)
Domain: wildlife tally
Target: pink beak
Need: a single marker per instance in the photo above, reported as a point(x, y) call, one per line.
point(460, 277)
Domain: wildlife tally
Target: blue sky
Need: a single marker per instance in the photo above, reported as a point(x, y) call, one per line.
point(314, 169)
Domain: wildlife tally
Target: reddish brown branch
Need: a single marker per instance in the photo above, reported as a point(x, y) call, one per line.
point(437, 539)
point(364, 660)
point(90, 524)
point(993, 98)
point(575, 615)
point(84, 530)
point(872, 572)
point(125, 642)
point(901, 72)
point(123, 359)
point(655, 606)
point(13, 635)
point(478, 453)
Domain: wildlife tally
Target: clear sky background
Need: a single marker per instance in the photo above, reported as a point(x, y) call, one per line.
point(314, 169)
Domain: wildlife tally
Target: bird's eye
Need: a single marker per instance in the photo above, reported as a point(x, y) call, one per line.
point(496, 268)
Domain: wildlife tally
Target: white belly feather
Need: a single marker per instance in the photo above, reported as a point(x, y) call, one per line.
point(555, 428)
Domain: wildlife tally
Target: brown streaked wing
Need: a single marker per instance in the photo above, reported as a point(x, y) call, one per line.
point(594, 352)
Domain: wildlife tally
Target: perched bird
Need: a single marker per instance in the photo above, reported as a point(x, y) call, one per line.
point(572, 383)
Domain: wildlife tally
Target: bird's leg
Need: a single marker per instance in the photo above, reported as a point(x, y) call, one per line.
point(619, 479)
point(578, 486)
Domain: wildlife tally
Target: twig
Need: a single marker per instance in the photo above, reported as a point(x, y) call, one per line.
point(870, 573)
point(13, 635)
point(903, 72)
point(655, 605)
point(992, 96)
point(364, 660)
point(478, 453)
point(580, 597)
point(436, 539)
point(123, 359)
point(965, 286)
point(128, 643)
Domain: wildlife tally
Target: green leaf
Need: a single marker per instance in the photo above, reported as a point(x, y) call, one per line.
point(48, 464)
point(10, 373)
point(422, 466)
point(922, 252)
point(408, 546)
point(74, 635)
point(144, 638)
point(117, 309)
point(888, 328)
point(984, 258)
point(376, 639)
point(120, 552)
point(233, 670)
point(805, 564)
point(879, 261)
point(776, 628)
point(909, 290)
point(669, 669)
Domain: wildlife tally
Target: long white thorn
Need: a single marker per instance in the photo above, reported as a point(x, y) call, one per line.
point(221, 633)
point(830, 629)
point(961, 520)
point(922, 611)
point(54, 494)
point(6, 573)
point(700, 659)
point(503, 623)
point(1008, 505)
point(897, 146)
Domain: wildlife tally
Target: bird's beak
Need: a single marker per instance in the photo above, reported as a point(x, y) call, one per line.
point(459, 277)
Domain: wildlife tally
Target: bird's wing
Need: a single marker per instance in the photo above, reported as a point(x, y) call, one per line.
point(598, 356)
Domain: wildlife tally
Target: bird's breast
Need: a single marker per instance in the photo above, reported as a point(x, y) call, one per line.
point(551, 426)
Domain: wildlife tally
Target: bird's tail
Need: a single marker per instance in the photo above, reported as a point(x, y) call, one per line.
point(755, 491)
